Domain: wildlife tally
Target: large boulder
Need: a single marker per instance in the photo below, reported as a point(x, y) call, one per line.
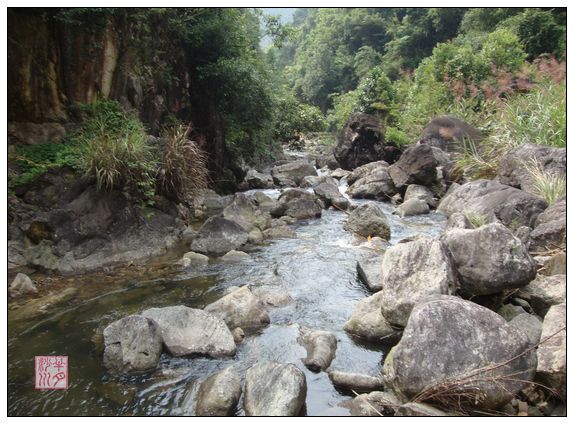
point(357, 382)
point(515, 167)
point(187, 331)
point(372, 181)
point(292, 173)
point(256, 179)
point(412, 272)
point(530, 325)
point(550, 230)
point(297, 204)
point(448, 339)
point(489, 259)
point(329, 193)
point(418, 165)
point(218, 394)
point(208, 203)
point(368, 220)
point(369, 272)
point(544, 292)
point(551, 353)
point(273, 389)
point(415, 191)
point(367, 321)
point(412, 207)
point(218, 236)
point(361, 142)
point(449, 134)
point(240, 308)
point(511, 206)
point(321, 347)
point(245, 213)
point(132, 344)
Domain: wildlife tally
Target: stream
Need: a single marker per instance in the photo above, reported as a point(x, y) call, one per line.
point(317, 269)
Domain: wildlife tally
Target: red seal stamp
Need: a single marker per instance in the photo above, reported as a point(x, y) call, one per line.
point(51, 372)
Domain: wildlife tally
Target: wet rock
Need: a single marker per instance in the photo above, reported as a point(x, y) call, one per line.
point(194, 258)
point(550, 230)
point(449, 134)
point(415, 191)
point(218, 236)
point(321, 347)
point(42, 256)
point(369, 271)
point(219, 394)
point(292, 173)
point(360, 383)
point(329, 192)
point(297, 204)
point(187, 331)
point(367, 321)
point(458, 220)
point(551, 369)
point(411, 272)
point(340, 173)
point(235, 256)
point(240, 308)
point(448, 337)
point(513, 168)
point(368, 220)
point(371, 181)
point(273, 389)
point(511, 206)
point(132, 344)
point(120, 394)
point(412, 207)
point(361, 142)
point(255, 179)
point(272, 296)
point(22, 284)
point(281, 231)
point(544, 292)
point(531, 325)
point(374, 404)
point(416, 409)
point(238, 335)
point(312, 181)
point(489, 259)
point(244, 213)
point(42, 306)
point(418, 165)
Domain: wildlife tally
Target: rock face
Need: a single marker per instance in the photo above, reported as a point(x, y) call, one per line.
point(292, 173)
point(244, 213)
point(418, 165)
point(132, 344)
point(371, 181)
point(329, 193)
point(255, 179)
point(513, 168)
point(552, 352)
point(240, 308)
point(368, 220)
point(218, 236)
point(187, 331)
point(550, 230)
point(219, 394)
point(369, 271)
point(413, 207)
point(447, 338)
point(544, 292)
point(372, 404)
point(356, 382)
point(511, 206)
point(22, 284)
point(449, 134)
point(361, 142)
point(411, 272)
point(489, 259)
point(321, 347)
point(273, 389)
point(367, 321)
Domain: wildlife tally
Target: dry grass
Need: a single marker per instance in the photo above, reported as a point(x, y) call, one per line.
point(547, 185)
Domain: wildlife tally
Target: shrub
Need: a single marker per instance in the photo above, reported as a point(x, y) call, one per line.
point(183, 168)
point(503, 50)
point(294, 118)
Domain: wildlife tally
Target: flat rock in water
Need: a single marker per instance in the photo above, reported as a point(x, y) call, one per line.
point(219, 394)
point(235, 256)
point(292, 173)
point(372, 181)
point(357, 382)
point(218, 236)
point(412, 207)
point(240, 308)
point(273, 389)
point(132, 344)
point(369, 271)
point(551, 369)
point(272, 296)
point(367, 321)
point(321, 347)
point(374, 404)
point(368, 220)
point(187, 331)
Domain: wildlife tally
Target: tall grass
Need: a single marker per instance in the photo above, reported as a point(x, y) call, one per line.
point(549, 186)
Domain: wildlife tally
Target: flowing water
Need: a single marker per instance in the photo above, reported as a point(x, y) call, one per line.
point(318, 270)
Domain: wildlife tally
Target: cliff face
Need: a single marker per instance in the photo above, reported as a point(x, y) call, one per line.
point(54, 63)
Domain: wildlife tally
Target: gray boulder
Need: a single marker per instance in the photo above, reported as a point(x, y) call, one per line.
point(208, 203)
point(374, 404)
point(218, 236)
point(312, 181)
point(369, 271)
point(235, 256)
point(321, 347)
point(367, 321)
point(358, 382)
point(22, 284)
point(511, 206)
point(450, 338)
point(544, 292)
point(449, 134)
point(458, 220)
point(244, 213)
point(187, 331)
point(340, 173)
point(240, 308)
point(368, 220)
point(513, 169)
point(255, 179)
point(550, 230)
point(411, 272)
point(264, 203)
point(273, 389)
point(219, 394)
point(132, 344)
point(489, 259)
point(551, 353)
point(415, 191)
point(371, 181)
point(418, 165)
point(292, 173)
point(531, 325)
point(272, 296)
point(297, 204)
point(412, 207)
point(329, 193)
